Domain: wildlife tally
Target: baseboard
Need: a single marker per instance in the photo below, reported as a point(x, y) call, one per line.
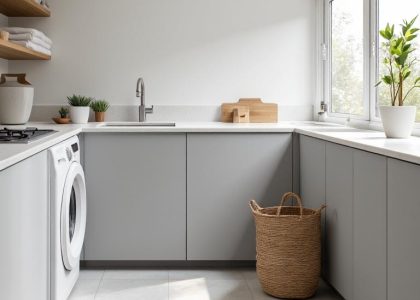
point(167, 264)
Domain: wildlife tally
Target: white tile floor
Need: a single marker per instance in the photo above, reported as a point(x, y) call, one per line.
point(175, 285)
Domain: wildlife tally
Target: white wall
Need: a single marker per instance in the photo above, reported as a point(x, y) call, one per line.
point(190, 52)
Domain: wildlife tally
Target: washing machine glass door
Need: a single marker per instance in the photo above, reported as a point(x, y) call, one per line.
point(73, 216)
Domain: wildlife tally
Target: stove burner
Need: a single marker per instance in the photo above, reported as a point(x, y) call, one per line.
point(21, 135)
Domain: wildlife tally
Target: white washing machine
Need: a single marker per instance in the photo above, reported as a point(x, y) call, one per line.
point(68, 216)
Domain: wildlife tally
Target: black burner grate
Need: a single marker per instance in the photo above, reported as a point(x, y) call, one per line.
point(25, 135)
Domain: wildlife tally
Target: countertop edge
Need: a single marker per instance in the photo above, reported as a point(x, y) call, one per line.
point(389, 148)
point(362, 146)
point(38, 147)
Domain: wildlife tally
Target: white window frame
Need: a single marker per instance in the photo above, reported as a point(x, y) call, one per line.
point(374, 67)
point(371, 51)
point(369, 61)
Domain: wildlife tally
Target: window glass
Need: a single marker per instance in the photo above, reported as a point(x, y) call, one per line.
point(394, 12)
point(347, 66)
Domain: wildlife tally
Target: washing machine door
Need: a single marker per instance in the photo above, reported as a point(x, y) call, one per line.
point(73, 216)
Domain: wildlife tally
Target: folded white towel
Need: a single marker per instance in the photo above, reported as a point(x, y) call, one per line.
point(29, 31)
point(22, 37)
point(33, 46)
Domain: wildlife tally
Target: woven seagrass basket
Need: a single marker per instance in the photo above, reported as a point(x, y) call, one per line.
point(288, 248)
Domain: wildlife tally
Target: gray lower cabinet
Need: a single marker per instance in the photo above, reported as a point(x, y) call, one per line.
point(369, 226)
point(225, 171)
point(339, 218)
point(403, 230)
point(312, 171)
point(136, 196)
point(312, 177)
point(353, 184)
point(24, 251)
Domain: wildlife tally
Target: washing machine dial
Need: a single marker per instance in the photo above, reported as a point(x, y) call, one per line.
point(69, 154)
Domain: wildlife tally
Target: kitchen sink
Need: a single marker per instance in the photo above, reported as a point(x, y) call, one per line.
point(138, 124)
point(314, 124)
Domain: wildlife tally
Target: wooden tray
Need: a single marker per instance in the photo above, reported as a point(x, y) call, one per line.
point(259, 112)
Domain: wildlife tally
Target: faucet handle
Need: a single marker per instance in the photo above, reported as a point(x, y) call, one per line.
point(149, 110)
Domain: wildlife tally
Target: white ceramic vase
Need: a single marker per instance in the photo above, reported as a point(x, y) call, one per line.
point(79, 114)
point(16, 99)
point(398, 121)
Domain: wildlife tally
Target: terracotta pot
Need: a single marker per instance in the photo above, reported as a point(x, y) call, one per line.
point(59, 120)
point(99, 116)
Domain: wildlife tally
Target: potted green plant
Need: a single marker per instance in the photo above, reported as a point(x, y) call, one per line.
point(79, 108)
point(63, 119)
point(397, 119)
point(99, 107)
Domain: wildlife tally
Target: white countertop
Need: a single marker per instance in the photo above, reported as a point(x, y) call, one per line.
point(372, 141)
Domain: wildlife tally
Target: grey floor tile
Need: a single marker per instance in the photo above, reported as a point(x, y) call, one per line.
point(91, 274)
point(210, 274)
point(136, 274)
point(85, 289)
point(132, 289)
point(193, 284)
point(209, 289)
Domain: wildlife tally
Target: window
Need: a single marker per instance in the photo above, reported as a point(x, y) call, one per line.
point(354, 64)
point(347, 57)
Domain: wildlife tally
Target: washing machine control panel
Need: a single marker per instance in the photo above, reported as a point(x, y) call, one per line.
point(75, 147)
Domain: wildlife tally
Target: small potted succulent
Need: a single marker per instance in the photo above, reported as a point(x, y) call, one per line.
point(397, 119)
point(79, 108)
point(64, 116)
point(99, 107)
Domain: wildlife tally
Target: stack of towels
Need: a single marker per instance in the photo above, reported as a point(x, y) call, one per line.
point(29, 38)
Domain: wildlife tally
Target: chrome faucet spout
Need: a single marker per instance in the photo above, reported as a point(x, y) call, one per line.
point(140, 90)
point(143, 110)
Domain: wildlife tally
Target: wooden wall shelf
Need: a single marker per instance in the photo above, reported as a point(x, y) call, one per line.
point(11, 51)
point(23, 8)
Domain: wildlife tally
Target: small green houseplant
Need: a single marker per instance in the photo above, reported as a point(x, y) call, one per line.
point(64, 116)
point(64, 112)
point(79, 108)
point(99, 107)
point(397, 119)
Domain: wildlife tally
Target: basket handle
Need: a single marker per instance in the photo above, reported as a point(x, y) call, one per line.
point(254, 206)
point(290, 195)
point(319, 210)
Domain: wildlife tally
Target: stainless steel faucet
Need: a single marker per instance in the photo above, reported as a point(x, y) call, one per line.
point(143, 110)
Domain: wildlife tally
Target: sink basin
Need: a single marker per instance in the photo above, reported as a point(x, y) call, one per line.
point(138, 124)
point(314, 124)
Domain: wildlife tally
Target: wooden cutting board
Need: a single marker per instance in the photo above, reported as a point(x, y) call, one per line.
point(259, 112)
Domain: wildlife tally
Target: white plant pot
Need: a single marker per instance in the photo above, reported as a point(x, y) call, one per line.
point(398, 121)
point(79, 114)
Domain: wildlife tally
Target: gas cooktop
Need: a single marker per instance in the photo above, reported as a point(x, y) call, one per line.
point(22, 136)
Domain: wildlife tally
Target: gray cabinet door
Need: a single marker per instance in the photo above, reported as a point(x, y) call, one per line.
point(226, 171)
point(312, 171)
point(24, 224)
point(136, 196)
point(403, 230)
point(369, 226)
point(339, 222)
point(312, 177)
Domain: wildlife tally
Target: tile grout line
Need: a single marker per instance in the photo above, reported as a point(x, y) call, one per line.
point(168, 284)
point(99, 285)
point(248, 285)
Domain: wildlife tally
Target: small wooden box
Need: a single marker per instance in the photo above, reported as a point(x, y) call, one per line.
point(241, 114)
